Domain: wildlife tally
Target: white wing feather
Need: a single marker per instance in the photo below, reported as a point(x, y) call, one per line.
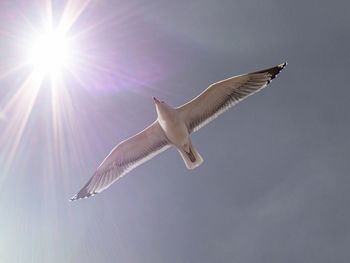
point(126, 156)
point(221, 96)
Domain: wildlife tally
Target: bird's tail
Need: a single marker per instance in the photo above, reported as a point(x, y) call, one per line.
point(191, 158)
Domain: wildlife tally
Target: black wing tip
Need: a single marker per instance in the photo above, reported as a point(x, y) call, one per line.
point(74, 198)
point(274, 71)
point(80, 195)
point(282, 66)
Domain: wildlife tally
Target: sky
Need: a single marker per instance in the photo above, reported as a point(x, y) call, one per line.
point(274, 185)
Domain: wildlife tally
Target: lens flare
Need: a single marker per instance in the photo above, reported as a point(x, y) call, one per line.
point(46, 50)
point(2, 115)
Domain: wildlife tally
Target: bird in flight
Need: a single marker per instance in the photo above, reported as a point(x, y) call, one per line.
point(174, 126)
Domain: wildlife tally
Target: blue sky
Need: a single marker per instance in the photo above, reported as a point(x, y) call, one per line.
point(274, 183)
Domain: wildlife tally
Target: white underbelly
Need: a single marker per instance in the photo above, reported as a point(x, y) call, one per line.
point(176, 132)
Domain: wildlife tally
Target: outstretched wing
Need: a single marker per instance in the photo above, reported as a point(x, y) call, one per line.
point(124, 157)
point(224, 94)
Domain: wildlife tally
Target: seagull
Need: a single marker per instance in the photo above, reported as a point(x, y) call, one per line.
point(174, 127)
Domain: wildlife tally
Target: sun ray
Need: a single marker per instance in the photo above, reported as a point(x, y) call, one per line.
point(48, 56)
point(18, 111)
point(72, 11)
point(2, 115)
point(47, 15)
point(10, 70)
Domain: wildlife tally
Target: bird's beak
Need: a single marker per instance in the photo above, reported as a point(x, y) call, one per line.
point(155, 100)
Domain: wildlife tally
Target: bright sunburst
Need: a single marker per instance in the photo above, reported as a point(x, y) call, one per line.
point(55, 57)
point(50, 53)
point(46, 49)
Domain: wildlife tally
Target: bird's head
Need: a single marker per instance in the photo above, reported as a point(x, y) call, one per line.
point(157, 102)
point(161, 106)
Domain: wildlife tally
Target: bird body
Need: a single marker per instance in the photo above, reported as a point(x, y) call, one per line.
point(176, 130)
point(174, 127)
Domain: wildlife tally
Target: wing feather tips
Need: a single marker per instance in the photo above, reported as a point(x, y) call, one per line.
point(277, 70)
point(273, 72)
point(84, 192)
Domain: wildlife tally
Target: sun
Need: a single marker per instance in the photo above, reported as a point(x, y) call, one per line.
point(53, 52)
point(50, 53)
